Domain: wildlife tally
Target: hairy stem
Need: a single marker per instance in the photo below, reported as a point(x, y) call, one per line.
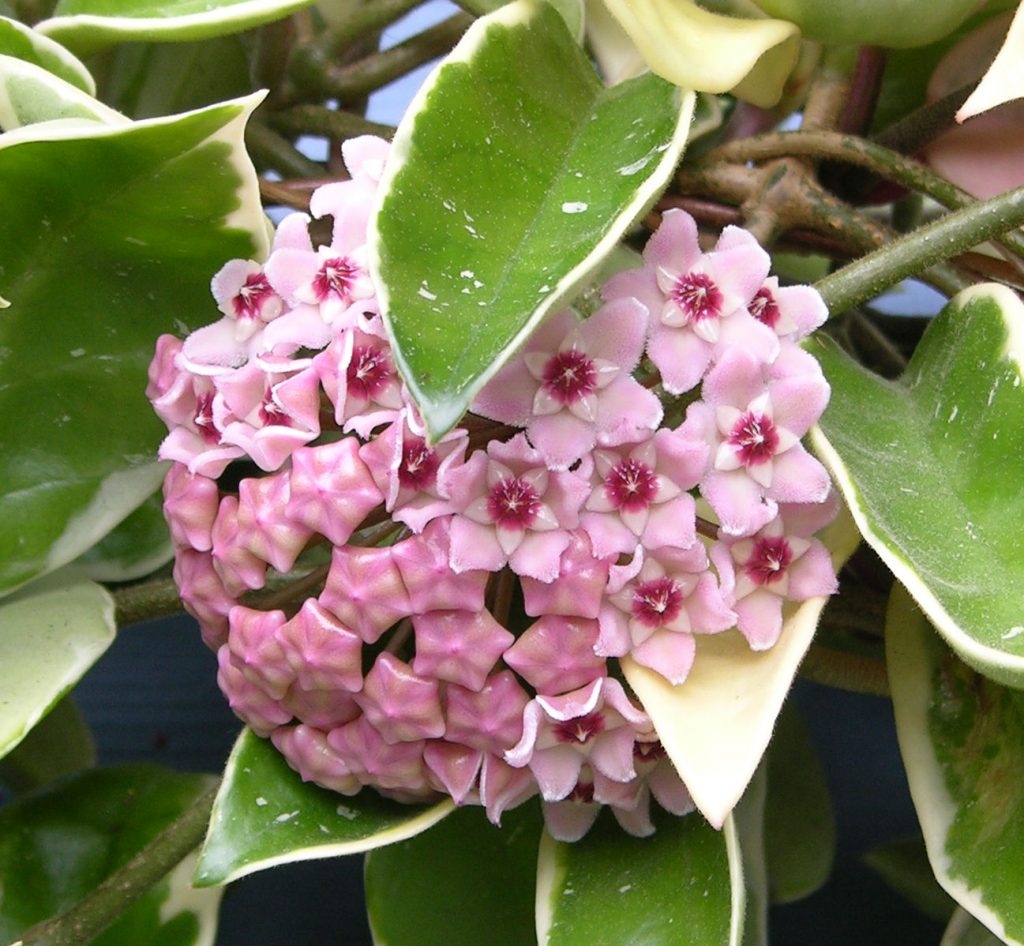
point(329, 122)
point(909, 255)
point(88, 918)
point(270, 149)
point(147, 600)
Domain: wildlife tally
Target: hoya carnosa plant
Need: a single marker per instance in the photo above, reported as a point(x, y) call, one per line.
point(446, 618)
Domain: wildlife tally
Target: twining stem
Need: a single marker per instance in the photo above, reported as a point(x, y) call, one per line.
point(150, 599)
point(273, 150)
point(909, 255)
point(845, 671)
point(88, 918)
point(330, 122)
point(853, 150)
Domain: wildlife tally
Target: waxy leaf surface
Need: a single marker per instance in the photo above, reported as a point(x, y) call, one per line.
point(59, 744)
point(137, 546)
point(715, 726)
point(30, 94)
point(266, 815)
point(23, 42)
point(962, 741)
point(931, 467)
point(512, 175)
point(50, 633)
point(89, 26)
point(462, 883)
point(59, 843)
point(682, 886)
point(109, 236)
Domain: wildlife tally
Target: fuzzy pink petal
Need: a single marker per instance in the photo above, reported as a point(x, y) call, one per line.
point(799, 402)
point(616, 333)
point(627, 411)
point(608, 534)
point(812, 574)
point(562, 438)
point(569, 820)
point(679, 355)
point(474, 546)
point(556, 770)
point(737, 501)
point(612, 753)
point(508, 396)
point(671, 524)
point(668, 653)
point(674, 244)
point(742, 331)
point(538, 554)
point(760, 618)
point(799, 478)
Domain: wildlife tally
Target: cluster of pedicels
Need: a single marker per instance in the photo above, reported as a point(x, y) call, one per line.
point(453, 611)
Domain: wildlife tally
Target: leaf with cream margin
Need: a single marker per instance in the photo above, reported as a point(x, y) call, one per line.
point(1004, 80)
point(30, 94)
point(134, 548)
point(266, 815)
point(708, 52)
point(682, 886)
point(716, 725)
point(59, 843)
point(930, 466)
point(750, 817)
point(90, 26)
point(50, 633)
point(500, 196)
point(135, 217)
point(962, 741)
point(964, 930)
point(23, 42)
point(572, 12)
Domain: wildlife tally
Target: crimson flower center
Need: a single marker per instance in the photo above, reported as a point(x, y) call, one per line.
point(271, 413)
point(368, 371)
point(569, 376)
point(754, 438)
point(336, 277)
point(652, 751)
point(697, 296)
point(419, 464)
point(250, 298)
point(769, 560)
point(513, 503)
point(580, 730)
point(582, 792)
point(203, 419)
point(657, 602)
point(631, 485)
point(764, 308)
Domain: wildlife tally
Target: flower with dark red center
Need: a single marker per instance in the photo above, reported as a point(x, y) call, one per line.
point(572, 388)
point(204, 418)
point(369, 370)
point(657, 603)
point(696, 297)
point(336, 276)
point(569, 376)
point(768, 560)
point(513, 503)
point(764, 308)
point(249, 301)
point(630, 485)
point(418, 468)
point(580, 730)
point(754, 439)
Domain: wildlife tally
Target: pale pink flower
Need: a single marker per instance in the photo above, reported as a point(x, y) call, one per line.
point(512, 509)
point(697, 301)
point(572, 387)
point(655, 605)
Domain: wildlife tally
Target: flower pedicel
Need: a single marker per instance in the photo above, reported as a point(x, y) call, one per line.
point(401, 658)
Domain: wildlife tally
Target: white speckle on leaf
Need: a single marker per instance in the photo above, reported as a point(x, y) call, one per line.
point(324, 829)
point(953, 413)
point(286, 816)
point(628, 170)
point(544, 288)
point(577, 174)
point(1013, 632)
point(992, 393)
point(625, 888)
point(574, 207)
point(261, 801)
point(448, 205)
point(76, 352)
point(467, 274)
point(350, 814)
point(426, 293)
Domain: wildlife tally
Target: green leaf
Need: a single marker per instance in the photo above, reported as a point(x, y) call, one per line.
point(89, 26)
point(30, 94)
point(61, 743)
point(931, 465)
point(58, 844)
point(136, 218)
point(22, 42)
point(462, 883)
point(266, 815)
point(136, 547)
point(716, 725)
point(50, 633)
point(800, 828)
point(964, 930)
point(145, 80)
point(961, 736)
point(903, 865)
point(502, 194)
point(683, 886)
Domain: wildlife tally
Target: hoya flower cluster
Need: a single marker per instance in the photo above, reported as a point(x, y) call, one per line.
point(456, 610)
